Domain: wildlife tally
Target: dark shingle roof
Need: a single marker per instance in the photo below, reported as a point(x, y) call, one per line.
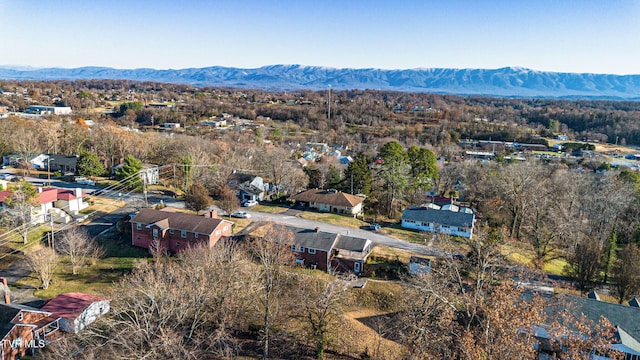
point(177, 221)
point(626, 317)
point(351, 243)
point(310, 238)
point(337, 198)
point(442, 217)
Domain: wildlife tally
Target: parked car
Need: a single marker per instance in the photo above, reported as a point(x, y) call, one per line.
point(374, 227)
point(241, 214)
point(249, 203)
point(7, 176)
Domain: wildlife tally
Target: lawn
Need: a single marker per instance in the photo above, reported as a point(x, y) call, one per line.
point(520, 255)
point(336, 219)
point(270, 208)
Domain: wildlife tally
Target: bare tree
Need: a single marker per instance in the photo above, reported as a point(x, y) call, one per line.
point(626, 273)
point(228, 201)
point(43, 262)
point(197, 197)
point(271, 253)
point(584, 261)
point(79, 247)
point(322, 304)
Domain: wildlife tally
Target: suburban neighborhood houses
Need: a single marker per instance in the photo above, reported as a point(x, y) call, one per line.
point(402, 226)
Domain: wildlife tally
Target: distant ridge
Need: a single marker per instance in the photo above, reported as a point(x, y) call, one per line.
point(504, 82)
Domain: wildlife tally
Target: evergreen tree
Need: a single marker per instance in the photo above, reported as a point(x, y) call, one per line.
point(89, 164)
point(130, 167)
point(357, 176)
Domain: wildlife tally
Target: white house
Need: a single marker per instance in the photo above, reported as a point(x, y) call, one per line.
point(439, 221)
point(77, 310)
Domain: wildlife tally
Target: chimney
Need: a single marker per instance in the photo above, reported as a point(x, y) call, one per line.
point(634, 303)
point(78, 193)
point(211, 214)
point(39, 189)
point(316, 229)
point(5, 290)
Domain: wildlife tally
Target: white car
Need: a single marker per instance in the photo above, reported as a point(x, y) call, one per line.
point(249, 203)
point(241, 214)
point(7, 176)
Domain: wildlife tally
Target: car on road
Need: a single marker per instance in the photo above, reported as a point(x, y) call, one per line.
point(374, 227)
point(249, 203)
point(241, 214)
point(83, 181)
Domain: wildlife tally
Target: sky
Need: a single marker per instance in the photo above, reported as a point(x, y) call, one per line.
point(581, 36)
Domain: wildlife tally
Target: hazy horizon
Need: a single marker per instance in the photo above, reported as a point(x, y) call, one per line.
point(569, 36)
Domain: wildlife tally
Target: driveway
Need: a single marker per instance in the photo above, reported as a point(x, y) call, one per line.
point(376, 238)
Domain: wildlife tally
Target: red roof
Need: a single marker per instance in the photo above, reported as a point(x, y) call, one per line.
point(4, 195)
point(47, 195)
point(71, 305)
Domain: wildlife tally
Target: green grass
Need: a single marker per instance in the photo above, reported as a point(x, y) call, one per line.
point(269, 208)
point(35, 237)
point(336, 219)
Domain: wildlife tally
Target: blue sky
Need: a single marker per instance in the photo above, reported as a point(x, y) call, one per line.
point(559, 35)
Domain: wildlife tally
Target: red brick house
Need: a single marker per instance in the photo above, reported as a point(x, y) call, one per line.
point(24, 329)
point(328, 251)
point(172, 232)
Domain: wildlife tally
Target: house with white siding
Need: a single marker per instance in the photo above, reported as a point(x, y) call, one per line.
point(442, 221)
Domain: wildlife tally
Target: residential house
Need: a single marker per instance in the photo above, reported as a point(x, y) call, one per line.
point(77, 310)
point(328, 251)
point(15, 159)
point(24, 329)
point(150, 173)
point(62, 163)
point(249, 187)
point(330, 201)
point(625, 319)
point(63, 204)
point(439, 221)
point(170, 231)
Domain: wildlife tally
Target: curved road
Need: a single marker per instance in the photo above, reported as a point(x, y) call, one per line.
point(375, 237)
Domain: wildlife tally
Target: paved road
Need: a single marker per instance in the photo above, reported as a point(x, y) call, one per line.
point(376, 238)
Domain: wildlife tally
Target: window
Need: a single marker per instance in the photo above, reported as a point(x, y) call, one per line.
point(21, 316)
point(183, 234)
point(195, 235)
point(155, 232)
point(171, 231)
point(177, 244)
point(356, 267)
point(293, 248)
point(217, 232)
point(311, 251)
point(301, 248)
point(138, 226)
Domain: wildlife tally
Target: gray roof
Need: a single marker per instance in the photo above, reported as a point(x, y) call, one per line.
point(441, 217)
point(351, 243)
point(325, 241)
point(309, 238)
point(63, 160)
point(625, 317)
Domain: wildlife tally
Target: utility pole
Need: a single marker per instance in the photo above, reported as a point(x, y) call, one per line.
point(351, 184)
point(143, 174)
point(53, 244)
point(329, 103)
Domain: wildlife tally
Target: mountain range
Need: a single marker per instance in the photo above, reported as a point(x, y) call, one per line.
point(503, 82)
